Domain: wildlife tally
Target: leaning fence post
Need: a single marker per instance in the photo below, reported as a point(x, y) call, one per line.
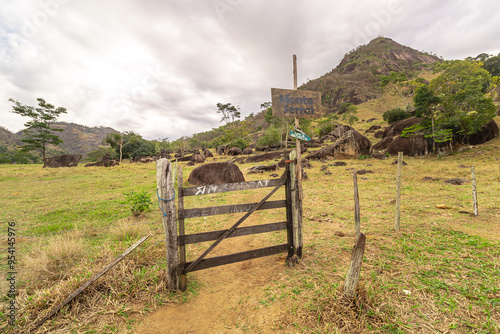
point(357, 219)
point(474, 192)
point(352, 277)
point(398, 192)
point(166, 196)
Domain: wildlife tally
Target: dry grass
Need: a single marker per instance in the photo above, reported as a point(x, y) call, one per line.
point(51, 262)
point(130, 229)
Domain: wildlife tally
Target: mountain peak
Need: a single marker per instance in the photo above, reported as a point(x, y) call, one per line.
point(357, 78)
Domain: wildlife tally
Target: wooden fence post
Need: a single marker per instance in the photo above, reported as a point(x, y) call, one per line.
point(398, 192)
point(474, 192)
point(182, 248)
point(352, 278)
point(296, 206)
point(166, 195)
point(289, 213)
point(357, 218)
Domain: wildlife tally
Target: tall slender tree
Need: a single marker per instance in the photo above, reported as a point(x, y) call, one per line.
point(39, 133)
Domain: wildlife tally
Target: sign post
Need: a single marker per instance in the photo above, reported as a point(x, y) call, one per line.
point(297, 104)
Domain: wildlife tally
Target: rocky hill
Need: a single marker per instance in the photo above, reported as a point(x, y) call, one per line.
point(357, 78)
point(8, 139)
point(76, 138)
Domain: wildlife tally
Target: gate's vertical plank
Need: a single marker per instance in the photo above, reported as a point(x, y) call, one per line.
point(166, 192)
point(289, 222)
point(182, 248)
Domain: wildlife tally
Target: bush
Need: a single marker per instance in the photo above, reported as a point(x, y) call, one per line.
point(396, 114)
point(100, 153)
point(241, 143)
point(272, 137)
point(5, 160)
point(139, 202)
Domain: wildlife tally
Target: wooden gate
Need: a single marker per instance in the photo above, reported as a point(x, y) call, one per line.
point(178, 267)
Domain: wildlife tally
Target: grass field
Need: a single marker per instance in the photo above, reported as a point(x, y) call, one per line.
point(441, 273)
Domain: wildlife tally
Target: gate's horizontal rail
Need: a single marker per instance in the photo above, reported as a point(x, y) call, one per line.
point(224, 209)
point(214, 235)
point(233, 258)
point(221, 188)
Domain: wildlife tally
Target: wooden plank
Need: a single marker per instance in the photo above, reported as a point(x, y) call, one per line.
point(182, 248)
point(233, 258)
point(214, 235)
point(241, 220)
point(352, 278)
point(296, 103)
point(166, 192)
point(225, 209)
point(220, 188)
point(91, 281)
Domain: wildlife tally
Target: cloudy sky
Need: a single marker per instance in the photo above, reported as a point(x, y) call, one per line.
point(159, 67)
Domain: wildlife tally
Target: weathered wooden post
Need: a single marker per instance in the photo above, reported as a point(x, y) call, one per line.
point(289, 214)
point(357, 215)
point(296, 206)
point(296, 104)
point(182, 248)
point(398, 192)
point(352, 278)
point(474, 192)
point(166, 195)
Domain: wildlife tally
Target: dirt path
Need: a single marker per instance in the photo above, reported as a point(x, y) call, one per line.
point(229, 300)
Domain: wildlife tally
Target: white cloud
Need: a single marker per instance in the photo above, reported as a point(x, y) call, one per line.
point(159, 68)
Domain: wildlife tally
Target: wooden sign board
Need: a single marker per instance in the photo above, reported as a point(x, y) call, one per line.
point(296, 103)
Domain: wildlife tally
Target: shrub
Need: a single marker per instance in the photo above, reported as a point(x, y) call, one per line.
point(396, 114)
point(272, 137)
point(139, 202)
point(241, 143)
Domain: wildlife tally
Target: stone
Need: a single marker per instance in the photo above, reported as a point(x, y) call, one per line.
point(351, 145)
point(455, 181)
point(65, 160)
point(396, 128)
point(216, 173)
point(416, 145)
point(234, 151)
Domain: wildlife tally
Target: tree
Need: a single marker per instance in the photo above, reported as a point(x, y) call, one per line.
point(425, 107)
point(38, 133)
point(125, 144)
point(235, 130)
point(116, 141)
point(229, 112)
point(462, 88)
point(455, 103)
point(492, 65)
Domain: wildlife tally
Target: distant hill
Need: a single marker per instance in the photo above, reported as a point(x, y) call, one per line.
point(357, 78)
point(8, 139)
point(76, 138)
